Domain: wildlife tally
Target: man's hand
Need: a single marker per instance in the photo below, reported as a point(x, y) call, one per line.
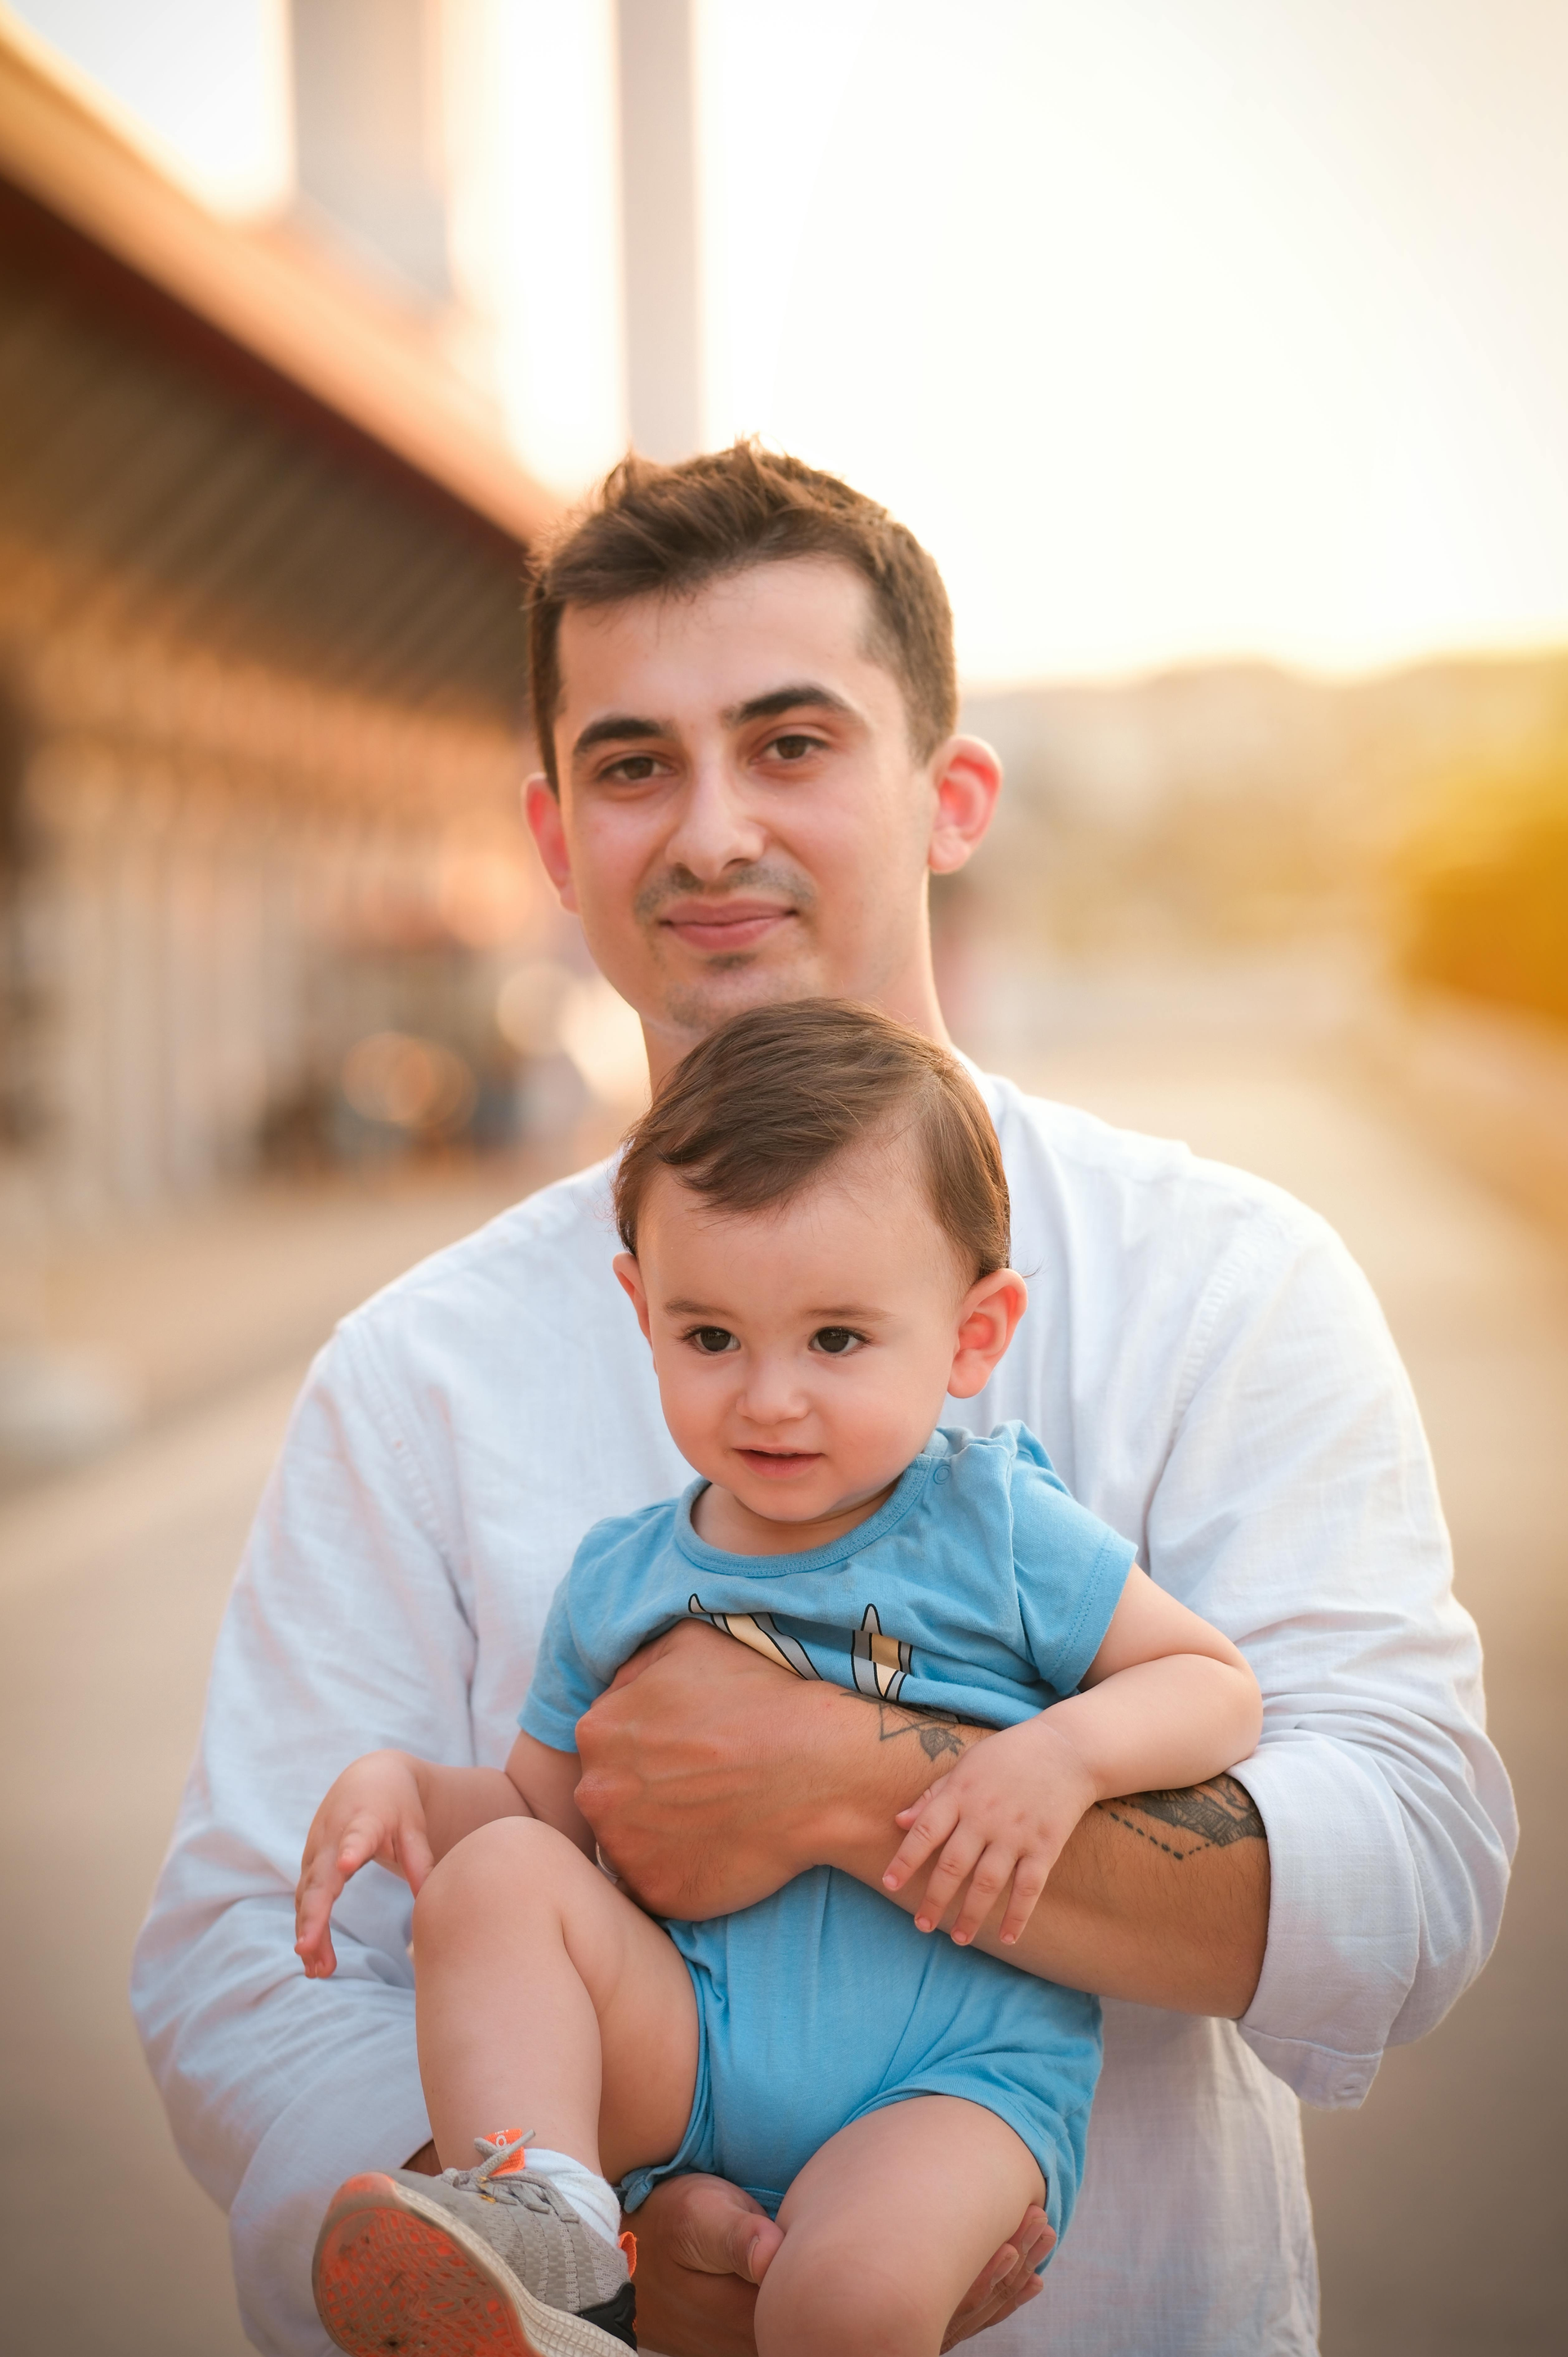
point(1006, 2282)
point(703, 2246)
point(710, 1777)
point(375, 1810)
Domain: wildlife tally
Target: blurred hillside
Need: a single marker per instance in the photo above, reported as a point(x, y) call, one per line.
point(1483, 887)
point(1240, 805)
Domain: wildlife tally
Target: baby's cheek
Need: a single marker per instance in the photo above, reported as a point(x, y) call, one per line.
point(689, 1420)
point(886, 1431)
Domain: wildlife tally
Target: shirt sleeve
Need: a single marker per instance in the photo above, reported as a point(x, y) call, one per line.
point(348, 1628)
point(1298, 1512)
point(1071, 1568)
point(563, 1686)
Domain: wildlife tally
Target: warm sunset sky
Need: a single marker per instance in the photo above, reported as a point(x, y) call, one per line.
point(1176, 328)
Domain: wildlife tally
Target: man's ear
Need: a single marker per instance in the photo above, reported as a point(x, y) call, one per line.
point(987, 1319)
point(629, 1278)
point(542, 809)
point(968, 778)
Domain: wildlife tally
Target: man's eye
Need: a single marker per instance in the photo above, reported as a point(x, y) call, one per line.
point(712, 1339)
point(836, 1340)
point(795, 748)
point(631, 770)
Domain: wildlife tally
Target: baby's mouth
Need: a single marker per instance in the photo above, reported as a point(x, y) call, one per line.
point(776, 1464)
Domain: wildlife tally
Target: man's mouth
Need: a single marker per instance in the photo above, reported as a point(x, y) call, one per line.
point(724, 925)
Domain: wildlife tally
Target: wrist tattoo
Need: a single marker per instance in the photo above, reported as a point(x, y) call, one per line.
point(936, 1731)
point(1207, 1816)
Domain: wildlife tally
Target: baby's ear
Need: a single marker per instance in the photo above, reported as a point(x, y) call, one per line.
point(628, 1276)
point(987, 1317)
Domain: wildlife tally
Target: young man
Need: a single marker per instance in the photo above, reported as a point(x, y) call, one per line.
point(744, 686)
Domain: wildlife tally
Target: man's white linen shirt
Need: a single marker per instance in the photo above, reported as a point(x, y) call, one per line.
point(1211, 1375)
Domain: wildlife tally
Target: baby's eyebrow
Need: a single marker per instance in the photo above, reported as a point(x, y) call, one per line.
point(841, 1313)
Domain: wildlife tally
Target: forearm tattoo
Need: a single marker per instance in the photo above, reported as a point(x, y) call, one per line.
point(1206, 1816)
point(1209, 1816)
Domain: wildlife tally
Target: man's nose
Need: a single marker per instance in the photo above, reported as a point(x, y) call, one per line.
point(714, 828)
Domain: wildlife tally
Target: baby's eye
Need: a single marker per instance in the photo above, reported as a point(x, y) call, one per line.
point(836, 1340)
point(712, 1339)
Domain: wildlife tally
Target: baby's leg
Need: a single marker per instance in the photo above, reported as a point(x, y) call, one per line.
point(547, 2002)
point(887, 2227)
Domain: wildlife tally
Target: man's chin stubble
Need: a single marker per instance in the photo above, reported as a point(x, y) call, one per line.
point(699, 1007)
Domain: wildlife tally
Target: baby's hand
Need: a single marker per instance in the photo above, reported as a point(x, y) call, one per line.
point(375, 1810)
point(1004, 1813)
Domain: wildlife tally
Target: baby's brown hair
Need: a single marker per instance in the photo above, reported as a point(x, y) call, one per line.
point(761, 1107)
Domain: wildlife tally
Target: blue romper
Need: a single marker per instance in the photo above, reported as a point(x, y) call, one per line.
point(979, 1589)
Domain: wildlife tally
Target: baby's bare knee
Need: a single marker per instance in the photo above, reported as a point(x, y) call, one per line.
point(841, 2302)
point(514, 1865)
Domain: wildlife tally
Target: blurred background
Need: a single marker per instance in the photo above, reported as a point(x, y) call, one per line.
point(1220, 356)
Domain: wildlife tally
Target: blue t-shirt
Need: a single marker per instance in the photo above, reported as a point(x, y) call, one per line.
point(979, 1588)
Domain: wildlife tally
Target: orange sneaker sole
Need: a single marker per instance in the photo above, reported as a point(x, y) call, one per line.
point(396, 2274)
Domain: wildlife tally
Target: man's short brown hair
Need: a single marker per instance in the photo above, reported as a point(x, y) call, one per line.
point(763, 1106)
point(654, 531)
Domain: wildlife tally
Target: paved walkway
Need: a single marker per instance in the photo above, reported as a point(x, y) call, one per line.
point(214, 1293)
point(111, 1591)
point(1439, 2204)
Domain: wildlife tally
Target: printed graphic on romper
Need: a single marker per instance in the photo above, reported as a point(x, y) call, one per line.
point(877, 1664)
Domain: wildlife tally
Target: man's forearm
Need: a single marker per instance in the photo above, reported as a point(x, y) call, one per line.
point(711, 1778)
point(1162, 1897)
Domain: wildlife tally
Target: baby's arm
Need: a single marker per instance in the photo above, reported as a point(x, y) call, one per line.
point(1167, 1702)
point(406, 1812)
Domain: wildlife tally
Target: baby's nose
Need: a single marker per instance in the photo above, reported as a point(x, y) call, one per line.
point(774, 1395)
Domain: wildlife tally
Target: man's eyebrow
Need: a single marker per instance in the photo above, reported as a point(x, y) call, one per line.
point(631, 727)
point(779, 700)
point(618, 728)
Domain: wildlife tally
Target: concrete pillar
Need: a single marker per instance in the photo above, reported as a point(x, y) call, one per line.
point(659, 211)
point(81, 981)
point(367, 108)
point(137, 1074)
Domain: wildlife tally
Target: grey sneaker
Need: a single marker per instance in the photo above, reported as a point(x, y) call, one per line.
point(469, 2263)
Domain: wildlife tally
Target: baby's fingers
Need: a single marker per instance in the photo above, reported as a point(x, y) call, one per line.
point(327, 1870)
point(1029, 1879)
point(315, 1950)
point(414, 1856)
point(312, 1923)
point(363, 1837)
point(929, 1821)
point(993, 1872)
point(952, 1869)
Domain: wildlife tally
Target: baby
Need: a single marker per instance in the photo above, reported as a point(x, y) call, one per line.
point(816, 1230)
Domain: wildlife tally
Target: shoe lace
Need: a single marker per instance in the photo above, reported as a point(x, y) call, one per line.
point(495, 2156)
point(525, 2193)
